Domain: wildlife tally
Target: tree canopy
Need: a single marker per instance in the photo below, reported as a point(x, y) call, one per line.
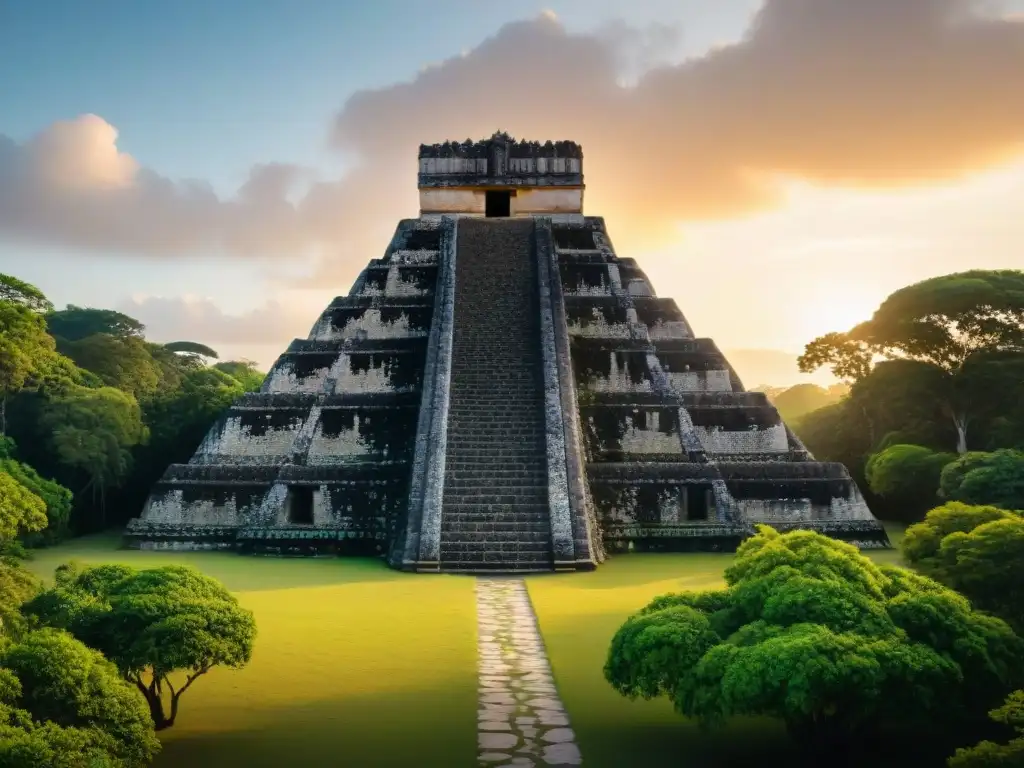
point(908, 477)
point(965, 331)
point(64, 705)
point(976, 550)
point(25, 294)
point(20, 509)
point(812, 632)
point(995, 478)
point(57, 498)
point(76, 323)
point(163, 627)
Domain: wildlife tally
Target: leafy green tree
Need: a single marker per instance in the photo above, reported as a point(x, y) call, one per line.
point(26, 351)
point(20, 509)
point(123, 363)
point(155, 625)
point(988, 754)
point(976, 550)
point(243, 371)
point(986, 478)
point(810, 631)
point(62, 704)
point(19, 292)
point(57, 498)
point(76, 323)
point(17, 586)
point(922, 542)
point(91, 432)
point(908, 477)
point(967, 327)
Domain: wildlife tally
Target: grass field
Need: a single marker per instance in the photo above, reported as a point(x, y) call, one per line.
point(578, 615)
point(354, 665)
point(359, 665)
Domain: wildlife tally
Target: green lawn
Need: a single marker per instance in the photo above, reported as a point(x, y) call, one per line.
point(354, 664)
point(578, 615)
point(359, 665)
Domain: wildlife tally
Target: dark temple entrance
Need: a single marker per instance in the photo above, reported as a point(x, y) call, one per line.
point(300, 505)
point(499, 203)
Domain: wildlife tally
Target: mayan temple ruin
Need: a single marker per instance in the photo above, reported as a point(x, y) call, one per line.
point(499, 392)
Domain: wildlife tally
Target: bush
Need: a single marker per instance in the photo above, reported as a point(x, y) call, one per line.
point(978, 551)
point(986, 478)
point(907, 477)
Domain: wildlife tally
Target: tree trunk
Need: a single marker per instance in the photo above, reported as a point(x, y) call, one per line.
point(3, 415)
point(156, 711)
point(960, 422)
point(824, 740)
point(154, 698)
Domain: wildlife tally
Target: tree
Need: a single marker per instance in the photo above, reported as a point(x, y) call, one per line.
point(17, 585)
point(988, 754)
point(123, 363)
point(62, 705)
point(243, 371)
point(908, 477)
point(153, 624)
point(76, 323)
point(812, 632)
point(26, 351)
point(978, 551)
point(27, 295)
point(20, 509)
point(91, 431)
point(986, 478)
point(967, 327)
point(57, 498)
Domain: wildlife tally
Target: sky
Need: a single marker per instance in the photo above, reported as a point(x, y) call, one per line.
point(220, 171)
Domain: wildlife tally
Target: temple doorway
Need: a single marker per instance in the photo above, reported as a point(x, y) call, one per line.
point(498, 204)
point(300, 505)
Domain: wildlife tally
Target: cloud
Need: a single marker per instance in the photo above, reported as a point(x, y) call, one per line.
point(191, 318)
point(872, 93)
point(70, 185)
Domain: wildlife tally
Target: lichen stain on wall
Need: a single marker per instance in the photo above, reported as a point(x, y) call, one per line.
point(769, 440)
point(700, 381)
point(171, 507)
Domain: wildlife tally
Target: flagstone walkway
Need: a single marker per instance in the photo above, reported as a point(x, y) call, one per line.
point(522, 722)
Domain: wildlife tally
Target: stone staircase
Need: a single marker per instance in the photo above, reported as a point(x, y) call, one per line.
point(495, 507)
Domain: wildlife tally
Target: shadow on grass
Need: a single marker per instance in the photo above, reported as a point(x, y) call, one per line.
point(236, 571)
point(399, 728)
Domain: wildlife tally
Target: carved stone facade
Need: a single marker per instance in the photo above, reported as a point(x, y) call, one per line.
point(527, 178)
point(404, 427)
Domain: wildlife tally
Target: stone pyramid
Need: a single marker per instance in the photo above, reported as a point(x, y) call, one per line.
point(499, 392)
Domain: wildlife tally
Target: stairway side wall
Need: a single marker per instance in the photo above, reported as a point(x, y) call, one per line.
point(575, 537)
point(421, 548)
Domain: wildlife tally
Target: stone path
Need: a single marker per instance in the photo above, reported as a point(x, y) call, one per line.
point(521, 721)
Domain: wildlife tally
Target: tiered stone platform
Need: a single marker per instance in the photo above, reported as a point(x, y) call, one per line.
point(499, 395)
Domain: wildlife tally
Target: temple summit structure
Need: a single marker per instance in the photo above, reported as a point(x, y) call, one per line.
point(499, 392)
